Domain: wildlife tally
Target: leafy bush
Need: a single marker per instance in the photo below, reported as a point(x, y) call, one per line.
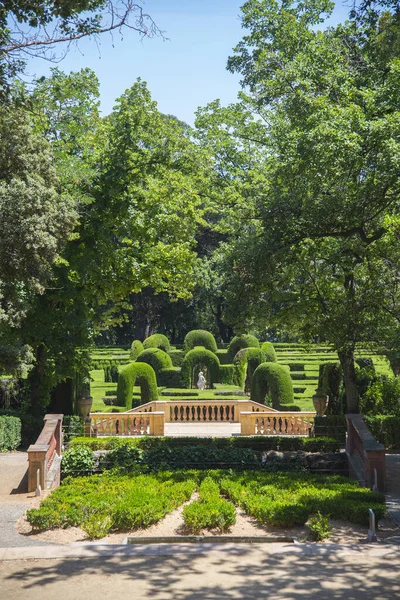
point(73, 426)
point(274, 382)
point(382, 397)
point(210, 511)
point(136, 348)
point(199, 337)
point(10, 433)
point(199, 357)
point(158, 340)
point(245, 363)
point(170, 378)
point(223, 357)
point(239, 342)
point(268, 349)
point(333, 426)
point(319, 527)
point(226, 373)
point(386, 429)
point(331, 381)
point(77, 461)
point(177, 357)
point(156, 358)
point(124, 456)
point(134, 374)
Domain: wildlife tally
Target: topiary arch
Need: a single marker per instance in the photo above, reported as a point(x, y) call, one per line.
point(269, 351)
point(157, 340)
point(199, 337)
point(241, 341)
point(245, 363)
point(273, 380)
point(155, 357)
point(199, 357)
point(136, 374)
point(136, 349)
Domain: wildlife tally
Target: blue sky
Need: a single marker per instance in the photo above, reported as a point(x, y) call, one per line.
point(187, 71)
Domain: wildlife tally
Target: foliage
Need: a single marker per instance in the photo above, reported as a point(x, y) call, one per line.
point(199, 337)
point(136, 348)
point(331, 381)
point(241, 341)
point(268, 349)
point(226, 374)
point(170, 378)
point(210, 511)
point(136, 373)
point(202, 358)
point(319, 527)
point(272, 384)
point(157, 341)
point(156, 358)
point(77, 461)
point(386, 429)
point(10, 433)
point(177, 357)
point(245, 363)
point(73, 426)
point(333, 426)
point(382, 397)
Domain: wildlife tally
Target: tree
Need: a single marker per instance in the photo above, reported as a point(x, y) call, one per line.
point(321, 254)
point(47, 29)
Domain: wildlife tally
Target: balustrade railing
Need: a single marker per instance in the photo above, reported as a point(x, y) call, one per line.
point(366, 456)
point(277, 423)
point(130, 424)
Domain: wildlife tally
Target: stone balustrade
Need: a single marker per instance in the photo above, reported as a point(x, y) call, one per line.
point(127, 423)
point(277, 423)
point(202, 410)
point(43, 454)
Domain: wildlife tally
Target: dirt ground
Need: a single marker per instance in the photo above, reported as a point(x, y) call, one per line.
point(343, 532)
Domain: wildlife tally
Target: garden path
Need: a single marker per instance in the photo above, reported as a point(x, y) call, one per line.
point(393, 486)
point(14, 499)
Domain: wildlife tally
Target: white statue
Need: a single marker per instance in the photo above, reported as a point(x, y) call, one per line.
point(201, 382)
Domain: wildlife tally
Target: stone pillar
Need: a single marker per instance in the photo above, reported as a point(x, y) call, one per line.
point(36, 460)
point(246, 423)
point(157, 423)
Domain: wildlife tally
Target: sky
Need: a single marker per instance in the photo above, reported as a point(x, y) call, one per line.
point(184, 72)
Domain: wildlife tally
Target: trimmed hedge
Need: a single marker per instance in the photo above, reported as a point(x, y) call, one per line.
point(241, 341)
point(245, 363)
point(156, 358)
point(333, 426)
point(223, 357)
point(202, 357)
point(274, 381)
point(331, 381)
point(199, 337)
point(385, 429)
point(158, 340)
point(226, 374)
point(141, 374)
point(257, 443)
point(136, 348)
point(170, 378)
point(269, 351)
point(10, 433)
point(177, 357)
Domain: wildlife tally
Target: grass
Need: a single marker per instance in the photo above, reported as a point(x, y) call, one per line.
point(110, 502)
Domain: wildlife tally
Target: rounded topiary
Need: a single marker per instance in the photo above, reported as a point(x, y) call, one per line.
point(272, 380)
point(158, 340)
point(199, 337)
point(199, 357)
point(136, 374)
point(155, 357)
point(241, 341)
point(269, 351)
point(245, 363)
point(136, 348)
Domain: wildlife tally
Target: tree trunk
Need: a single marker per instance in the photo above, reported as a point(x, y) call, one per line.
point(346, 358)
point(36, 378)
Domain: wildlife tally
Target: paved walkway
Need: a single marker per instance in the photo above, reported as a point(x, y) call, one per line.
point(201, 429)
point(393, 486)
point(14, 499)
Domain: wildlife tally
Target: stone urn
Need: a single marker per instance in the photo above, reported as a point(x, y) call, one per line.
point(320, 401)
point(83, 406)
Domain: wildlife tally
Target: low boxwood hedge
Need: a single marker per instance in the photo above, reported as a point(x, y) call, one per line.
point(10, 433)
point(385, 429)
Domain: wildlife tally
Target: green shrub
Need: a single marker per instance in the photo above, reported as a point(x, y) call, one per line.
point(77, 461)
point(239, 342)
point(199, 337)
point(268, 349)
point(245, 363)
point(170, 377)
point(136, 348)
point(273, 381)
point(200, 358)
point(73, 426)
point(125, 456)
point(97, 525)
point(319, 527)
point(331, 381)
point(223, 357)
point(156, 358)
point(136, 373)
point(385, 429)
point(382, 397)
point(210, 511)
point(10, 433)
point(158, 340)
point(333, 426)
point(177, 357)
point(226, 374)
